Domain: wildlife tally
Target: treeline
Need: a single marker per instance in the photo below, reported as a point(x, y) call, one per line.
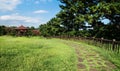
point(85, 18)
point(32, 31)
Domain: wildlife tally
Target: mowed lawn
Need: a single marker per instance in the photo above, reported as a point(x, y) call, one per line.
point(35, 54)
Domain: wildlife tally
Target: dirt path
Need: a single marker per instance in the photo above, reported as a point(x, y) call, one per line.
point(90, 60)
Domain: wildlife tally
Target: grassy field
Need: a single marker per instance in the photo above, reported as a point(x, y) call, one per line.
point(35, 54)
point(41, 54)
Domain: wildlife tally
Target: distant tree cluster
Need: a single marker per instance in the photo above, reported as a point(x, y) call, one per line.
point(32, 31)
point(7, 30)
point(74, 15)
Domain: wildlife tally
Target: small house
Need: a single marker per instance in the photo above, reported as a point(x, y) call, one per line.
point(21, 30)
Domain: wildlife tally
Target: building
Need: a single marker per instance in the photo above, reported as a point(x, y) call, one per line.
point(35, 32)
point(21, 30)
point(24, 31)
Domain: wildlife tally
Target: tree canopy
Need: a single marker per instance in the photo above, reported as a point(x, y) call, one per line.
point(75, 14)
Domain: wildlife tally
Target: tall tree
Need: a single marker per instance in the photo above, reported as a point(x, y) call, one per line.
point(106, 9)
point(2, 30)
point(75, 13)
point(51, 28)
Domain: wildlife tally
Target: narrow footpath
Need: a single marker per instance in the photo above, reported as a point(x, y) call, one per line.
point(89, 59)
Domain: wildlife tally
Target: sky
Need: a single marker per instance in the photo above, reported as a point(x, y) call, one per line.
point(27, 12)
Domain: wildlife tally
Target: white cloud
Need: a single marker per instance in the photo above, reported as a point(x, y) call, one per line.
point(9, 5)
point(16, 19)
point(39, 1)
point(40, 11)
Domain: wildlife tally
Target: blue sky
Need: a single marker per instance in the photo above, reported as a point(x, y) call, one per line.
point(27, 12)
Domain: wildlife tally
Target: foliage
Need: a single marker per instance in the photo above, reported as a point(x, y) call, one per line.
point(2, 30)
point(75, 14)
point(12, 31)
point(52, 28)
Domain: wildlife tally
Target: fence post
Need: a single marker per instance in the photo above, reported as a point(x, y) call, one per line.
point(68, 36)
point(93, 40)
point(113, 44)
point(78, 37)
point(102, 42)
point(118, 47)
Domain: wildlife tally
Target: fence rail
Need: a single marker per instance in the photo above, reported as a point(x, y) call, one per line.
point(111, 45)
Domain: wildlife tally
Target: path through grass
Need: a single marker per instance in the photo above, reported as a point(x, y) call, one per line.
point(89, 59)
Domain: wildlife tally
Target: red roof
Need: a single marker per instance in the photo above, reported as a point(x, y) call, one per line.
point(21, 27)
point(36, 32)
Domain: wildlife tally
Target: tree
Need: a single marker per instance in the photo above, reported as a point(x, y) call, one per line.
point(106, 9)
point(51, 28)
point(75, 13)
point(2, 30)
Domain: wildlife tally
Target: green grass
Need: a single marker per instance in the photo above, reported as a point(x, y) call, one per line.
point(41, 54)
point(98, 57)
point(111, 56)
point(108, 55)
point(35, 54)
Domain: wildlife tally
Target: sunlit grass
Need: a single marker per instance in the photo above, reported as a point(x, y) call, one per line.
point(35, 54)
point(111, 56)
point(41, 54)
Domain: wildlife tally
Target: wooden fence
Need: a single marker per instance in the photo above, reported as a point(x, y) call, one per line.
point(111, 45)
